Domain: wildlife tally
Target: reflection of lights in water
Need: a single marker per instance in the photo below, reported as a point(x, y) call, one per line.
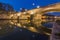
point(20, 29)
point(33, 29)
point(15, 27)
point(15, 23)
point(24, 26)
point(47, 33)
point(33, 35)
point(6, 27)
point(10, 26)
point(0, 28)
point(11, 22)
point(19, 24)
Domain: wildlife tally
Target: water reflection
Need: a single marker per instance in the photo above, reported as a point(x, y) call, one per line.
point(8, 26)
point(5, 27)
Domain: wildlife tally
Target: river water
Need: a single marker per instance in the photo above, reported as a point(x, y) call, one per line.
point(9, 30)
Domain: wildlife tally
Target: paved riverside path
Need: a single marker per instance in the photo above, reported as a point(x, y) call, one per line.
point(55, 29)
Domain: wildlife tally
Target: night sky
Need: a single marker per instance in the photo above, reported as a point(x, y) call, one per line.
point(28, 4)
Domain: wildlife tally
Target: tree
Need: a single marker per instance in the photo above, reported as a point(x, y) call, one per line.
point(1, 7)
point(6, 7)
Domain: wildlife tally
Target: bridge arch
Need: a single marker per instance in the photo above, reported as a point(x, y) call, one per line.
point(51, 8)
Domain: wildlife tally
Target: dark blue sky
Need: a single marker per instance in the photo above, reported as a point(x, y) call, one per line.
point(17, 4)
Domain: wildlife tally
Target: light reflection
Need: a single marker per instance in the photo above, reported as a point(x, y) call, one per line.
point(15, 27)
point(0, 28)
point(10, 25)
point(19, 25)
point(5, 27)
point(32, 29)
point(33, 36)
point(24, 26)
point(21, 30)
